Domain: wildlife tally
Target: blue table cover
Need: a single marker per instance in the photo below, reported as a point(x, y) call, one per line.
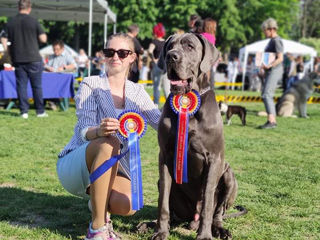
point(54, 85)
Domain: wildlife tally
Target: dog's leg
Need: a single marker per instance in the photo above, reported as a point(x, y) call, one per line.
point(163, 203)
point(226, 195)
point(228, 117)
point(302, 107)
point(243, 118)
point(209, 201)
point(228, 121)
point(194, 225)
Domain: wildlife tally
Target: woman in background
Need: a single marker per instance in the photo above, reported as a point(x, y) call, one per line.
point(158, 76)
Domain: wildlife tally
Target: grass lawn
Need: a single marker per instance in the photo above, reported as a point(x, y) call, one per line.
point(278, 172)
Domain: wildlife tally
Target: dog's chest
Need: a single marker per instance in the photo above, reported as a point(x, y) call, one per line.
point(196, 151)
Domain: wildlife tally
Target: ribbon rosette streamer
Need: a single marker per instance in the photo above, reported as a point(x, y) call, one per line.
point(132, 127)
point(184, 105)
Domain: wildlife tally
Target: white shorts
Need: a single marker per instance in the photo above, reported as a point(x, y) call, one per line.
point(73, 172)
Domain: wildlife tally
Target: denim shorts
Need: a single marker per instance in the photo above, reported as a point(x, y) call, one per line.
point(73, 172)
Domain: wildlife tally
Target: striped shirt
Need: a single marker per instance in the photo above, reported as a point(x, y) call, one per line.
point(94, 102)
point(58, 61)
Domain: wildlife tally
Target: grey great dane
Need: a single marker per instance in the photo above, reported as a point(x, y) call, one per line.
point(211, 187)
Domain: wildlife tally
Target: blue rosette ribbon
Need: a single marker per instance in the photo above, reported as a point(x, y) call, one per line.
point(132, 127)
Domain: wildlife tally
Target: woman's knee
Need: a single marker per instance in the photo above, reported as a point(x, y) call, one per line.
point(104, 144)
point(120, 204)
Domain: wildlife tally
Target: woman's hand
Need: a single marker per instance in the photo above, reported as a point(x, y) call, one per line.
point(107, 126)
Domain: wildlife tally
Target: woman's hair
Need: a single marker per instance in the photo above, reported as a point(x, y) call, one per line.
point(198, 26)
point(125, 37)
point(130, 42)
point(210, 26)
point(270, 23)
point(159, 30)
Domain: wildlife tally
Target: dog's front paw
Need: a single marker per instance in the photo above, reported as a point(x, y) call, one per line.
point(194, 225)
point(144, 227)
point(160, 235)
point(204, 236)
point(220, 232)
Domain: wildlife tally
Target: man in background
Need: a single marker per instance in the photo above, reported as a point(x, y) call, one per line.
point(133, 32)
point(24, 32)
point(59, 61)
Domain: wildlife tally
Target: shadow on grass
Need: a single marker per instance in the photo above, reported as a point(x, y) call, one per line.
point(66, 215)
point(8, 113)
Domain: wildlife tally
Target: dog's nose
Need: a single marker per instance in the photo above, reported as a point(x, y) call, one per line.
point(173, 56)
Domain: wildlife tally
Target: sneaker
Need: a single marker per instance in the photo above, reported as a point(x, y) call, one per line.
point(268, 125)
point(99, 234)
point(25, 115)
point(113, 235)
point(42, 115)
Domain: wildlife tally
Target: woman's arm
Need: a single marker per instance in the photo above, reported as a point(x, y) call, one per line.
point(149, 110)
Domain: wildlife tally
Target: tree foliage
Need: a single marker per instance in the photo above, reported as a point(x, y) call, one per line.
point(310, 19)
point(239, 21)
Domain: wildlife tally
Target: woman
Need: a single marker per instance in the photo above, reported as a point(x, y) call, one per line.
point(209, 30)
point(273, 71)
point(158, 76)
point(99, 101)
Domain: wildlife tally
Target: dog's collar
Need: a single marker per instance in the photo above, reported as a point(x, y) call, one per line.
point(203, 91)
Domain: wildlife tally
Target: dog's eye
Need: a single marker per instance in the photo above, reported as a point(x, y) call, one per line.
point(190, 47)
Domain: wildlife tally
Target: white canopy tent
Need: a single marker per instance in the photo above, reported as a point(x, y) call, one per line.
point(289, 47)
point(89, 11)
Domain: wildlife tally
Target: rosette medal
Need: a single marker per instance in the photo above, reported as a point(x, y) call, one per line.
point(184, 105)
point(132, 127)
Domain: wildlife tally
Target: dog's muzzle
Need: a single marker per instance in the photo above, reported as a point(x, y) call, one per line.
point(180, 84)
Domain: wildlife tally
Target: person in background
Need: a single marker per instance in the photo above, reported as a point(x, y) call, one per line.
point(209, 30)
point(292, 74)
point(209, 33)
point(99, 100)
point(24, 32)
point(273, 71)
point(60, 60)
point(192, 21)
point(250, 72)
point(144, 72)
point(98, 64)
point(133, 32)
point(82, 61)
point(159, 77)
point(300, 67)
point(233, 70)
point(198, 26)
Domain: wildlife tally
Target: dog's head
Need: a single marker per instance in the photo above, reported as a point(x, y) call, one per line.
point(186, 58)
point(223, 107)
point(315, 77)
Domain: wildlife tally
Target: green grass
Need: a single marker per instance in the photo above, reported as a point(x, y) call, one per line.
point(277, 171)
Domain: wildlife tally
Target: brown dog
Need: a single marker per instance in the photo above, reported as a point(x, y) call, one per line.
point(211, 187)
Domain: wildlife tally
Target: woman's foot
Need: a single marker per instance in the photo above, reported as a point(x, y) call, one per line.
point(112, 233)
point(99, 234)
point(268, 125)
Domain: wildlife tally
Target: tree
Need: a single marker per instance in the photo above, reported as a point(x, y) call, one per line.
point(141, 12)
point(310, 19)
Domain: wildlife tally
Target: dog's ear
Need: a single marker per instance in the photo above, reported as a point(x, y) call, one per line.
point(210, 54)
point(313, 75)
point(163, 54)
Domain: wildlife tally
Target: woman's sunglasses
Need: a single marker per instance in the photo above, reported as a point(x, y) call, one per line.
point(122, 53)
